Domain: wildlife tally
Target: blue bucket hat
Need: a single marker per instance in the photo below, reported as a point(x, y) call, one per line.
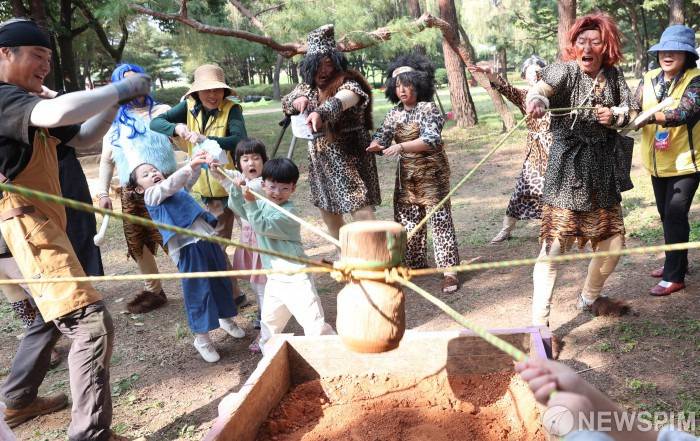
point(677, 38)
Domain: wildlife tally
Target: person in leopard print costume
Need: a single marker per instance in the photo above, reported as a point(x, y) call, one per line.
point(342, 175)
point(526, 201)
point(423, 172)
point(584, 177)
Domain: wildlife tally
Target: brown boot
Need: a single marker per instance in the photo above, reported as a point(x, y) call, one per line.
point(40, 406)
point(146, 301)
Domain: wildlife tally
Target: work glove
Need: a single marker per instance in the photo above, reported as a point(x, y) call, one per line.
point(132, 87)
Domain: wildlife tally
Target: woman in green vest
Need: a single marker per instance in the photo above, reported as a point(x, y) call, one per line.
point(670, 143)
point(208, 113)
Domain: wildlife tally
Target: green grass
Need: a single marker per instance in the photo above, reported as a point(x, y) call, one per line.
point(626, 337)
point(640, 386)
point(123, 385)
point(9, 324)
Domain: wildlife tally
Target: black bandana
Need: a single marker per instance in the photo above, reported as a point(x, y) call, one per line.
point(23, 33)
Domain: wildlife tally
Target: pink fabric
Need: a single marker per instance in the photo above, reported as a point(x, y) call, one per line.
point(244, 259)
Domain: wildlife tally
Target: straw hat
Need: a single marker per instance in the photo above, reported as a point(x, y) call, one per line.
point(208, 76)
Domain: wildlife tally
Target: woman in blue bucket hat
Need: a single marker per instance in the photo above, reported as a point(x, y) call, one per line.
point(670, 143)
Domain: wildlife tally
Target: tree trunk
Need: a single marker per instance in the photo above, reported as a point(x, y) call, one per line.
point(567, 16)
point(87, 71)
point(646, 39)
point(631, 8)
point(450, 36)
point(245, 72)
point(70, 72)
point(276, 94)
point(55, 81)
point(18, 9)
point(502, 62)
point(293, 72)
point(676, 14)
point(462, 103)
point(414, 11)
point(37, 13)
point(65, 47)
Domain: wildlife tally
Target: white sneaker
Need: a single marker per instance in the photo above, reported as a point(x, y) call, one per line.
point(585, 305)
point(231, 328)
point(206, 350)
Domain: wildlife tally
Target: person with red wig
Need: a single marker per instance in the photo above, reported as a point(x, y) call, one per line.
point(584, 177)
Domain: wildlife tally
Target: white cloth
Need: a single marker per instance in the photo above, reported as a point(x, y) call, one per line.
point(300, 129)
point(184, 177)
point(670, 433)
point(213, 149)
point(291, 296)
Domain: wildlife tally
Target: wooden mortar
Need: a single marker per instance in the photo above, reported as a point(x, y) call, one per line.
point(371, 315)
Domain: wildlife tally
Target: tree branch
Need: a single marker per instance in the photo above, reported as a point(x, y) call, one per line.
point(270, 9)
point(125, 36)
point(79, 30)
point(246, 12)
point(115, 53)
point(287, 50)
point(451, 37)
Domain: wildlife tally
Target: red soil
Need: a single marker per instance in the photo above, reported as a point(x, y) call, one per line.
point(490, 407)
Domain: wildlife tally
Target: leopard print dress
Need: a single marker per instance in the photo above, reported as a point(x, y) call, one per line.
point(526, 200)
point(342, 174)
point(582, 194)
point(422, 181)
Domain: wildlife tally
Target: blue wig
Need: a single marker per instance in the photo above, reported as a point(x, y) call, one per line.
point(123, 117)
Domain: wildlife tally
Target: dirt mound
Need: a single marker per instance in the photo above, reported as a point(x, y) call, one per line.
point(491, 407)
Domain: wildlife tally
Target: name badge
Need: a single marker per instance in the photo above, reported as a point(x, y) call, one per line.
point(662, 140)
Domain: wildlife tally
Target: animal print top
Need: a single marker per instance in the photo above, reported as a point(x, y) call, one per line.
point(342, 174)
point(425, 114)
point(539, 137)
point(580, 175)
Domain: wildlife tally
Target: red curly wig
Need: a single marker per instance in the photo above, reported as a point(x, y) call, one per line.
point(609, 33)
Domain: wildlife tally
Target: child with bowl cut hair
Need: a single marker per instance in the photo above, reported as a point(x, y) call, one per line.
point(285, 295)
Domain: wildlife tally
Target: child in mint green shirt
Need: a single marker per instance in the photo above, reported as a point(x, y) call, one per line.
point(285, 295)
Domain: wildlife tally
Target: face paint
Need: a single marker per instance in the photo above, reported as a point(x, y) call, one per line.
point(589, 51)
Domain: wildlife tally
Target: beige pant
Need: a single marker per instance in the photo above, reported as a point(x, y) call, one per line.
point(335, 220)
point(147, 265)
point(545, 275)
point(8, 271)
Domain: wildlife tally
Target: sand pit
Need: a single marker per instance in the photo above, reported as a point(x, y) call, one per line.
point(486, 407)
